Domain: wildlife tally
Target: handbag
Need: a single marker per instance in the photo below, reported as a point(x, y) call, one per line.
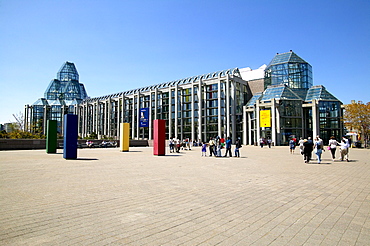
point(329, 148)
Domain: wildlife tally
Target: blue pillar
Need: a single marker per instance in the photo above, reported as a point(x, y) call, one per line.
point(70, 136)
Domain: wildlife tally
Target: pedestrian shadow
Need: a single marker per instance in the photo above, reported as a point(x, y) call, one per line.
point(321, 163)
point(339, 161)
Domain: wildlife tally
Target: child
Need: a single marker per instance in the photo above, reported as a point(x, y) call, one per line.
point(204, 149)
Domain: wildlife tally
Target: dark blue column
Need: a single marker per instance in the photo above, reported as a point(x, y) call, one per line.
point(70, 136)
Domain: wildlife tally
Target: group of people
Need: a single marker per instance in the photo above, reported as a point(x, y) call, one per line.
point(307, 146)
point(264, 141)
point(103, 144)
point(176, 144)
point(215, 145)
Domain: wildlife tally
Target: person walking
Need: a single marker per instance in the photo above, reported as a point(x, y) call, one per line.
point(344, 145)
point(307, 149)
point(262, 141)
point(332, 146)
point(172, 145)
point(237, 147)
point(204, 149)
point(318, 148)
point(177, 144)
point(292, 146)
point(269, 141)
point(211, 146)
point(228, 147)
point(300, 142)
point(218, 148)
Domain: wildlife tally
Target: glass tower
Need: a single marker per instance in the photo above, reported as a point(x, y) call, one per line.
point(290, 70)
point(60, 97)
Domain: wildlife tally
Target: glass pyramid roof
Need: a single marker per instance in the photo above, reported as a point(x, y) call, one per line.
point(254, 99)
point(288, 57)
point(279, 92)
point(68, 72)
point(40, 101)
point(319, 92)
point(56, 102)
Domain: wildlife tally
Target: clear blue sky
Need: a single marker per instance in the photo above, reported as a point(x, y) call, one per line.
point(121, 45)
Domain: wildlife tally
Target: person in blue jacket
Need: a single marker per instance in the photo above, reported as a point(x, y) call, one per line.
point(228, 147)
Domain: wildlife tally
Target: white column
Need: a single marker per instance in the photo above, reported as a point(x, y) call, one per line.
point(245, 122)
point(97, 112)
point(109, 117)
point(228, 113)
point(205, 118)
point(105, 118)
point(250, 140)
point(133, 124)
point(176, 112)
point(192, 113)
point(150, 112)
point(25, 126)
point(137, 117)
point(170, 113)
point(45, 120)
point(200, 97)
point(233, 109)
point(258, 128)
point(315, 119)
point(278, 132)
point(119, 117)
point(62, 120)
point(219, 127)
point(273, 118)
point(156, 104)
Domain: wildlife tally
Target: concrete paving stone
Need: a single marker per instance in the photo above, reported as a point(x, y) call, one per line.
point(135, 198)
point(216, 240)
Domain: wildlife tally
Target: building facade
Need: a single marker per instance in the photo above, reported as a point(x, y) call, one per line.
point(197, 107)
point(276, 101)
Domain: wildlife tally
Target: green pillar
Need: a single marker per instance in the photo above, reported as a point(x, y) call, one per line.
point(51, 136)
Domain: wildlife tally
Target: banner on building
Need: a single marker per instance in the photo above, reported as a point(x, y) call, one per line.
point(144, 117)
point(265, 116)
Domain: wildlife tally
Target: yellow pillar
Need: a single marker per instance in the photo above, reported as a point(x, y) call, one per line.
point(124, 137)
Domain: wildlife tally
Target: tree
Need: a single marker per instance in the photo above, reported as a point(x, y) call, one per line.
point(357, 116)
point(20, 120)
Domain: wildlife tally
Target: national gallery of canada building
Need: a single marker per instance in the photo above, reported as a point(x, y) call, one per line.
point(276, 101)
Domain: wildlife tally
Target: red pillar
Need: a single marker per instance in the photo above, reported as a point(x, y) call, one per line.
point(159, 137)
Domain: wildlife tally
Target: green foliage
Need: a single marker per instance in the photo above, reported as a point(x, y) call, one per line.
point(19, 134)
point(357, 116)
point(3, 134)
point(93, 135)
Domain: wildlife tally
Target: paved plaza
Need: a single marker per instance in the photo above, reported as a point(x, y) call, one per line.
point(107, 197)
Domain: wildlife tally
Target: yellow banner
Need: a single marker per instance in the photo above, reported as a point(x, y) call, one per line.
point(265, 118)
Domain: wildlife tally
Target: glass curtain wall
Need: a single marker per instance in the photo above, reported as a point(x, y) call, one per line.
point(186, 112)
point(329, 120)
point(290, 120)
point(211, 115)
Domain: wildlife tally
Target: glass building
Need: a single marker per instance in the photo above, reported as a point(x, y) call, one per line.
point(61, 97)
point(295, 107)
point(276, 101)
